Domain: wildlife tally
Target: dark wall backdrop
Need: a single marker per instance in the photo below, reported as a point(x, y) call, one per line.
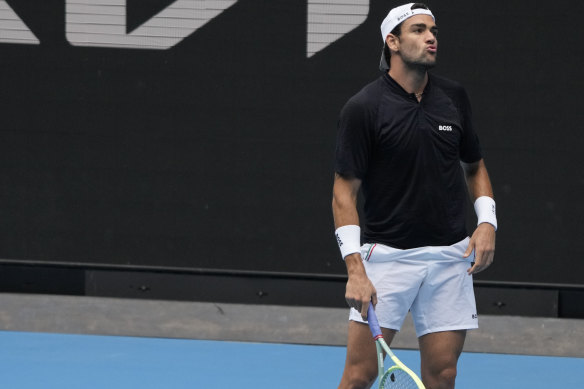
point(217, 153)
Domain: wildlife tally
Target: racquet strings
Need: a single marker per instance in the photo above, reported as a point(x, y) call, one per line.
point(397, 379)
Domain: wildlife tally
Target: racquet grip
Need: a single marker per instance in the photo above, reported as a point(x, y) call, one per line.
point(372, 321)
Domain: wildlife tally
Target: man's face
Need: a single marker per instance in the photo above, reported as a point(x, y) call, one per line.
point(418, 43)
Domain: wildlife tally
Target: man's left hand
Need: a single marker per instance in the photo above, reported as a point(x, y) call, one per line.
point(483, 244)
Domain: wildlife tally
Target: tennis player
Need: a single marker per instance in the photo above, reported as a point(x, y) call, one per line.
point(407, 141)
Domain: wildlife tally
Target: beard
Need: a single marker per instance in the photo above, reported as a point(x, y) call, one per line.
point(421, 62)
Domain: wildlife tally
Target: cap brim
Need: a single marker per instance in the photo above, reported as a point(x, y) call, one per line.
point(383, 65)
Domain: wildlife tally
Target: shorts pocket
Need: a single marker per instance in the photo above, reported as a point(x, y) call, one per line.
point(375, 252)
point(365, 251)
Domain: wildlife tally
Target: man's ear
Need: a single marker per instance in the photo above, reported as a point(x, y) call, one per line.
point(392, 42)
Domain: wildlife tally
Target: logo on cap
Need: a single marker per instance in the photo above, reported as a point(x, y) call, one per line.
point(399, 18)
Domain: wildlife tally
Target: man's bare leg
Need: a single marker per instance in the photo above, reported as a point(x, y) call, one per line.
point(439, 353)
point(361, 362)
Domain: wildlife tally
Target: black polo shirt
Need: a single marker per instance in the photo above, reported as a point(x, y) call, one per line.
point(408, 155)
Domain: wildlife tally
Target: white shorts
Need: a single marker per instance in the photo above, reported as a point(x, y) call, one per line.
point(432, 282)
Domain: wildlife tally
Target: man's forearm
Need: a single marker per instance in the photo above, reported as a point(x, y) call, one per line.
point(344, 213)
point(481, 193)
point(344, 205)
point(477, 180)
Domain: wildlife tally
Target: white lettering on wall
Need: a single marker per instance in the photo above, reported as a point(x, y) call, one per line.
point(102, 23)
point(13, 29)
point(330, 20)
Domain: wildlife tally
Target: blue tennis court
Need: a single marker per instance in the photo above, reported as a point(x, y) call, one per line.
point(40, 360)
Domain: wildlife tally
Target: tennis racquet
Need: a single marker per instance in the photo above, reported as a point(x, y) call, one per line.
point(399, 376)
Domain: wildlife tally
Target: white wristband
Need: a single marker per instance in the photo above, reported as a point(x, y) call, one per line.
point(349, 239)
point(486, 211)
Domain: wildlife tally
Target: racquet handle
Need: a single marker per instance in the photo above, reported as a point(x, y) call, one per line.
point(372, 321)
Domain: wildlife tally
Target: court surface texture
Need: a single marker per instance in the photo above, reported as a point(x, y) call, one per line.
point(87, 342)
point(40, 360)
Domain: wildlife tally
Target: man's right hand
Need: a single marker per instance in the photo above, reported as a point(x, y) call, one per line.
point(360, 291)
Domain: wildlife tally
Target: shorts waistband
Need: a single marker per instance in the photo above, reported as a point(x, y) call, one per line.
point(377, 252)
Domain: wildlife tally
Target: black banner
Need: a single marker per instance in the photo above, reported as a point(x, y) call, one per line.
point(209, 143)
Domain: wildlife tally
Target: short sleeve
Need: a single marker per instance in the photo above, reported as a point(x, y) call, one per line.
point(354, 140)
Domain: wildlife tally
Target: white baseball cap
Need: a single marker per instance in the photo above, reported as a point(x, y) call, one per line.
point(396, 16)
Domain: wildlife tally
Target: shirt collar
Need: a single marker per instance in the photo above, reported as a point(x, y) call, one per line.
point(397, 88)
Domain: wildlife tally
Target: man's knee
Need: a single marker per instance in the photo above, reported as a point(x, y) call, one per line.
point(441, 378)
point(357, 378)
point(357, 383)
point(447, 377)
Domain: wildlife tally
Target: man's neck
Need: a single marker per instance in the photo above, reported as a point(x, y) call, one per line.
point(413, 80)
